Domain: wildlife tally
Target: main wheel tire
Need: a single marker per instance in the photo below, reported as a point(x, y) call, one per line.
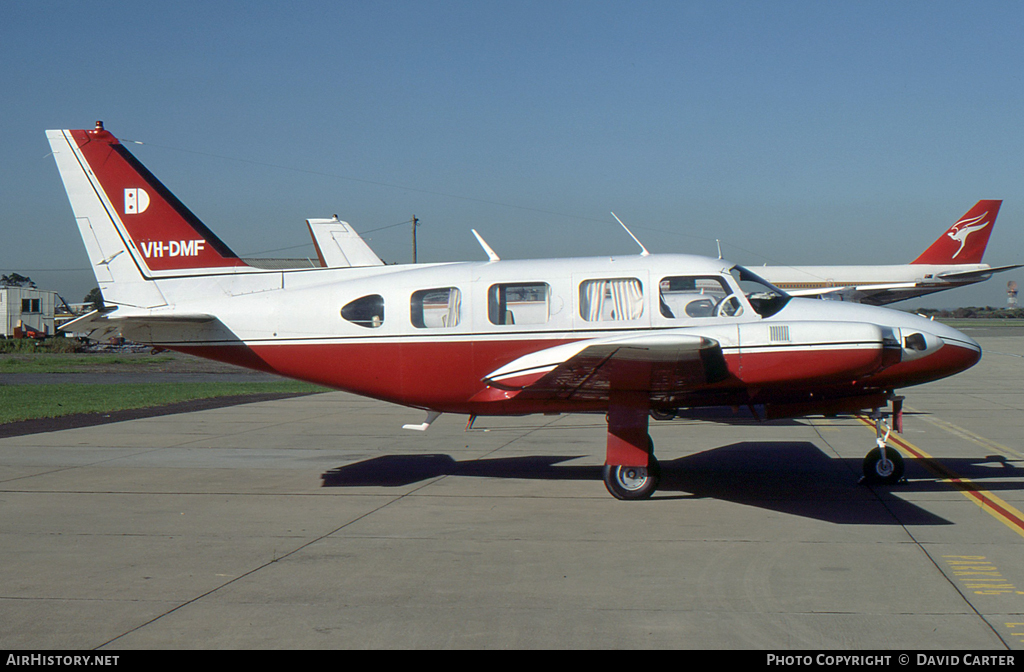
point(632, 483)
point(885, 472)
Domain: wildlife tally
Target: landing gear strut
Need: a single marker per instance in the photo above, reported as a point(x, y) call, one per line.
point(631, 471)
point(884, 465)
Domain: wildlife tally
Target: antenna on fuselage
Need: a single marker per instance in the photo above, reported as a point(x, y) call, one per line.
point(643, 252)
point(719, 243)
point(487, 248)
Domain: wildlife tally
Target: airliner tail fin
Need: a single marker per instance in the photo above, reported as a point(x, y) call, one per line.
point(965, 241)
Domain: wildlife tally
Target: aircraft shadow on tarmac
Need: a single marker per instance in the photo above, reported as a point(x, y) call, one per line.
point(789, 477)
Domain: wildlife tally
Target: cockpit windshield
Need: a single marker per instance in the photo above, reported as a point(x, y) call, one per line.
point(765, 298)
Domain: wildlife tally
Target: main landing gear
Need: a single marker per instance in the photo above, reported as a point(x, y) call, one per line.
point(884, 465)
point(633, 482)
point(631, 471)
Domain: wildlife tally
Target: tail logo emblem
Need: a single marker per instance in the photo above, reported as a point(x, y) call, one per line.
point(135, 201)
point(962, 229)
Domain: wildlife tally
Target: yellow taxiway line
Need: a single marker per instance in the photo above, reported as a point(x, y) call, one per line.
point(991, 504)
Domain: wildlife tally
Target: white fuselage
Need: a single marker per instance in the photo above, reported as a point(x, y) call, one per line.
point(809, 277)
point(436, 352)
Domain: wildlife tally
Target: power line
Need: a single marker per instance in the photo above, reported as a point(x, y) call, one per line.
point(52, 270)
point(389, 226)
point(408, 188)
point(364, 181)
point(295, 247)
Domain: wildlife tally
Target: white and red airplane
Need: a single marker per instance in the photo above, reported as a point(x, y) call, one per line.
point(626, 336)
point(953, 260)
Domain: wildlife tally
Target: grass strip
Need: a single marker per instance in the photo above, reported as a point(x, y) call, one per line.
point(961, 323)
point(46, 363)
point(26, 402)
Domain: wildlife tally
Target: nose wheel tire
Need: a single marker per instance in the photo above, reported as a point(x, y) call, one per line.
point(632, 483)
point(883, 471)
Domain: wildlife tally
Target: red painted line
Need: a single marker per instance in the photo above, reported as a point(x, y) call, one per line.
point(986, 500)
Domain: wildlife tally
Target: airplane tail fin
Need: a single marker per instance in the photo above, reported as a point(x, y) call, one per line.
point(134, 229)
point(965, 241)
point(339, 246)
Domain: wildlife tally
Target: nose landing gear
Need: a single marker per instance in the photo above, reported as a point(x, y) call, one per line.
point(884, 465)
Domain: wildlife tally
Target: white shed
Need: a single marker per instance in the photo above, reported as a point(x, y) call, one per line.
point(26, 309)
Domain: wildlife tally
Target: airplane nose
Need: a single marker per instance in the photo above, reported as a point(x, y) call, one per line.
point(948, 335)
point(957, 356)
point(933, 351)
point(928, 349)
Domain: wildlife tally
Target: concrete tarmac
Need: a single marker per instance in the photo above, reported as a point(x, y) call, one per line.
point(317, 522)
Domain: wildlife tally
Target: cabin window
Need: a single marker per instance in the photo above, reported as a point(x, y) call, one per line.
point(366, 311)
point(611, 300)
point(519, 303)
point(697, 296)
point(432, 308)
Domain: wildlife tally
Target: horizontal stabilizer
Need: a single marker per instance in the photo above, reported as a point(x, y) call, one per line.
point(339, 246)
point(92, 320)
point(967, 275)
point(102, 323)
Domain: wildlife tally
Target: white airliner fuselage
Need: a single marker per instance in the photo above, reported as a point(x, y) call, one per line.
point(876, 285)
point(953, 260)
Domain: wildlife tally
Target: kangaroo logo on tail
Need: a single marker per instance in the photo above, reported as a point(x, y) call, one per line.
point(966, 227)
point(957, 245)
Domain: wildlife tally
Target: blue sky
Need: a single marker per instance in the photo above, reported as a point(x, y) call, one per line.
point(795, 132)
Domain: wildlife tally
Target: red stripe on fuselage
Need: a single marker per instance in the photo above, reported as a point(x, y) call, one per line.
point(443, 375)
point(447, 375)
point(807, 365)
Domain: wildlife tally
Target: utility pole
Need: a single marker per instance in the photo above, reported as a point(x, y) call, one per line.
point(415, 223)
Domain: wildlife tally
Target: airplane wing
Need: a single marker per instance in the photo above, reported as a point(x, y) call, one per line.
point(660, 364)
point(847, 289)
